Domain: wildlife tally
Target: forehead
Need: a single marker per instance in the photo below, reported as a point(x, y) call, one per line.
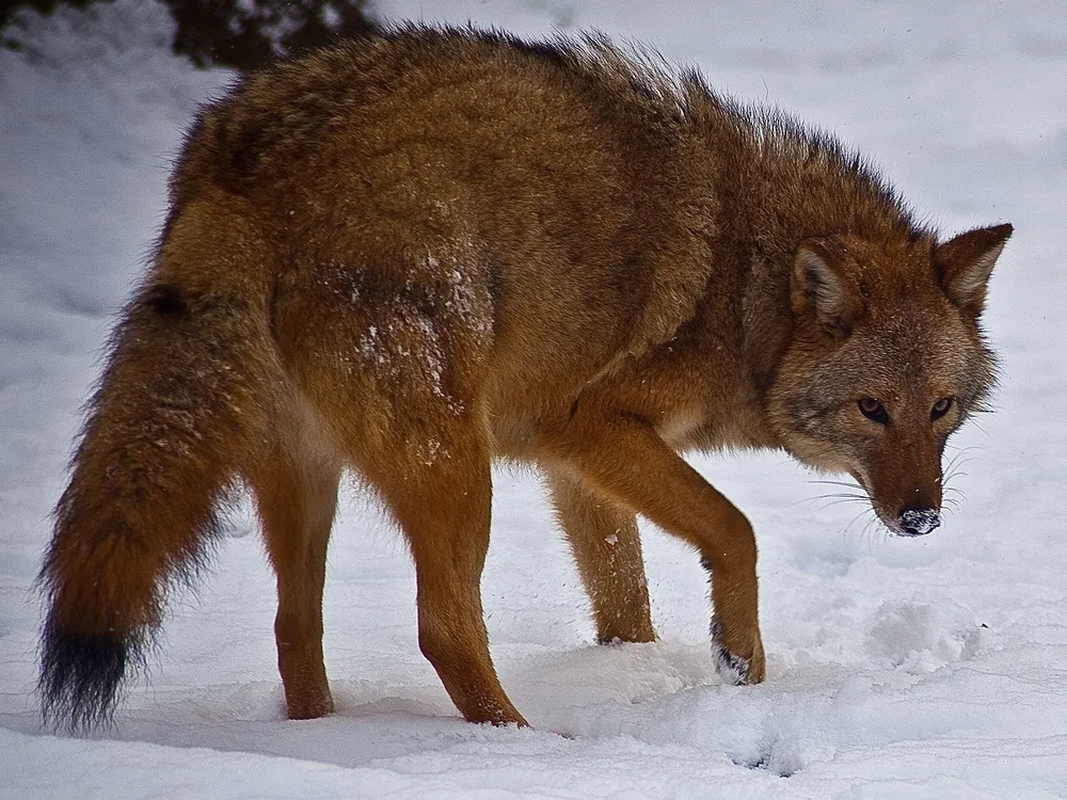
point(916, 349)
point(894, 272)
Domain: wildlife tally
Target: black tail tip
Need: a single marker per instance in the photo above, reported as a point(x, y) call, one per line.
point(81, 676)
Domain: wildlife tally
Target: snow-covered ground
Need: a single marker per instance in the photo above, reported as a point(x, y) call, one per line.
point(933, 667)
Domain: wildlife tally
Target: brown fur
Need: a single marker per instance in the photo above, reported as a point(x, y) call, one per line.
point(412, 253)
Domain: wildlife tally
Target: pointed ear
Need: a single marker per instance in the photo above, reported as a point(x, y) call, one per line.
point(965, 263)
point(821, 285)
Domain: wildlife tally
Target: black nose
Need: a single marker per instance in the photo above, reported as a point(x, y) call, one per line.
point(919, 521)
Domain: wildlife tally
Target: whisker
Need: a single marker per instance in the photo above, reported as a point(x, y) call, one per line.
point(867, 533)
point(964, 457)
point(951, 496)
point(958, 460)
point(881, 530)
point(835, 499)
point(957, 463)
point(815, 504)
point(844, 500)
point(849, 484)
point(852, 521)
point(862, 538)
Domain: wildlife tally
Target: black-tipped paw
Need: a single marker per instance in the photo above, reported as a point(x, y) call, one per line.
point(735, 669)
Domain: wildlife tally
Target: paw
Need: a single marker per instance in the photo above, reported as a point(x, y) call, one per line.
point(310, 704)
point(736, 669)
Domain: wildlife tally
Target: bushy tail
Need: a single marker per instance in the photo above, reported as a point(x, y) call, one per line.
point(183, 404)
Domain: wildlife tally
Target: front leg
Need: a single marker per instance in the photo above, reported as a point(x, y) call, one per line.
point(623, 457)
point(606, 546)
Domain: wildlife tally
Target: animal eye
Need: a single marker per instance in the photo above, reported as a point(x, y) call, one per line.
point(873, 410)
point(941, 408)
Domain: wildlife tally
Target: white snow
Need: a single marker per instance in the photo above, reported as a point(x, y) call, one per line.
point(932, 667)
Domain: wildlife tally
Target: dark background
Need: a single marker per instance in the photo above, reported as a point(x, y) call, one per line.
point(230, 33)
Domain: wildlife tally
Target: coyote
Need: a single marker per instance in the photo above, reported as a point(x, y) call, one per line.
point(412, 253)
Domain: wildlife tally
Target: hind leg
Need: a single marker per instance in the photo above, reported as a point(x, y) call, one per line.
point(443, 506)
point(607, 549)
point(296, 494)
point(394, 365)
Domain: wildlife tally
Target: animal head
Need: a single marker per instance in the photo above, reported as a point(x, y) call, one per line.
point(887, 360)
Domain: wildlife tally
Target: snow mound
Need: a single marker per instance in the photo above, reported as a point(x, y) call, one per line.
point(919, 638)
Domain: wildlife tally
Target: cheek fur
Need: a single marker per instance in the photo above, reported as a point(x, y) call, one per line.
point(831, 442)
